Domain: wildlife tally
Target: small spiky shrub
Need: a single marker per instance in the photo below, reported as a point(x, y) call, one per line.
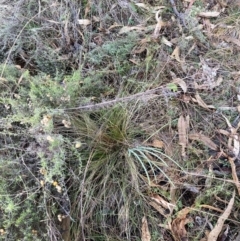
point(32, 157)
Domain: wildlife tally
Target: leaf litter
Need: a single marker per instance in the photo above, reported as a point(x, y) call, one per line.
point(209, 81)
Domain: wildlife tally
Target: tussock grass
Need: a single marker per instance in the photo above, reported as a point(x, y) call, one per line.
point(111, 187)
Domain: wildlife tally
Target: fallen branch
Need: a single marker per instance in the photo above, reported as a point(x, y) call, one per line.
point(144, 96)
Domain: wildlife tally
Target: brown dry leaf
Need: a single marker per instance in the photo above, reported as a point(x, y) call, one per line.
point(202, 103)
point(181, 83)
point(145, 230)
point(209, 14)
point(178, 225)
point(160, 209)
point(234, 174)
point(175, 54)
point(84, 22)
point(158, 199)
point(182, 133)
point(184, 212)
point(213, 235)
point(157, 143)
point(204, 139)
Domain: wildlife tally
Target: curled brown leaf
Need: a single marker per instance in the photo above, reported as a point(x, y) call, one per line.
point(204, 139)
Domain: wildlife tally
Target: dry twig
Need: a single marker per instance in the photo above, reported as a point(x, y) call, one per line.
point(144, 96)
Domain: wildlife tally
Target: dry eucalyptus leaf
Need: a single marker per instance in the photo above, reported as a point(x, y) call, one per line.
point(176, 54)
point(181, 83)
point(234, 174)
point(209, 14)
point(145, 230)
point(142, 5)
point(204, 139)
point(158, 199)
point(166, 42)
point(160, 209)
point(84, 22)
point(224, 132)
point(182, 133)
point(213, 235)
point(202, 103)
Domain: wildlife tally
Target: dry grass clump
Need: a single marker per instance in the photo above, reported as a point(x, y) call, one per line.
point(110, 201)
